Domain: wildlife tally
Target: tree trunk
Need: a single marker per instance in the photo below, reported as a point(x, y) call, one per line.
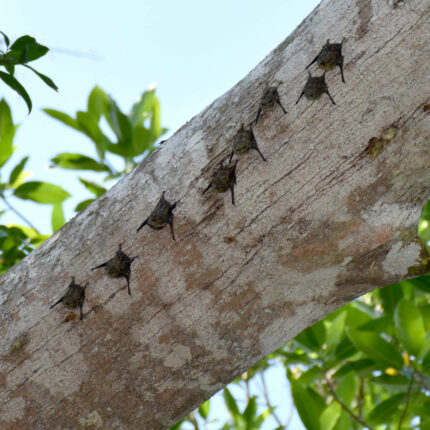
point(331, 215)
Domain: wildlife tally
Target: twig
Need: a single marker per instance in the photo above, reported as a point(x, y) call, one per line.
point(407, 396)
point(344, 406)
point(421, 380)
point(18, 214)
point(266, 396)
point(193, 421)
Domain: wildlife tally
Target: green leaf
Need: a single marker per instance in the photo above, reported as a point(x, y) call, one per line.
point(390, 382)
point(250, 411)
point(379, 325)
point(345, 349)
point(6, 39)
point(308, 403)
point(425, 425)
point(335, 331)
point(313, 337)
point(360, 367)
point(425, 312)
point(67, 160)
point(16, 171)
point(84, 204)
point(26, 49)
point(231, 404)
point(308, 377)
point(119, 123)
point(356, 317)
point(424, 224)
point(263, 416)
point(422, 282)
point(204, 409)
point(93, 187)
point(347, 388)
point(10, 68)
point(410, 326)
point(142, 108)
point(177, 426)
point(41, 192)
point(156, 119)
point(426, 347)
point(383, 412)
point(330, 416)
point(97, 102)
point(141, 140)
point(48, 81)
point(344, 422)
point(376, 348)
point(124, 150)
point(426, 362)
point(7, 132)
point(64, 118)
point(16, 86)
point(390, 296)
point(88, 124)
point(57, 217)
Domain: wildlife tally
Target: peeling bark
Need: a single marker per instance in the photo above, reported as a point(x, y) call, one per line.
point(325, 219)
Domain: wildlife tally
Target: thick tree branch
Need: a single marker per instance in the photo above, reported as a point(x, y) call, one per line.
point(330, 215)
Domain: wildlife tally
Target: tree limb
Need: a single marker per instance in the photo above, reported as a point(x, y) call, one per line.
point(324, 220)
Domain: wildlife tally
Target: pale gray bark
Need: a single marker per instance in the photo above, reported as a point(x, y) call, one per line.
point(318, 224)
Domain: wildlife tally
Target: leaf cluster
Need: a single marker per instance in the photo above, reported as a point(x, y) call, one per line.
point(126, 138)
point(17, 241)
point(24, 50)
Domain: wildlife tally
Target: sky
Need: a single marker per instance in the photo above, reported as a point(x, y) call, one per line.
point(193, 52)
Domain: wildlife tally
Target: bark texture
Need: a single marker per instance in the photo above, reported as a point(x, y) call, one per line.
point(331, 214)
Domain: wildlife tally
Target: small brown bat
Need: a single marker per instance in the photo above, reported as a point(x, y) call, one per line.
point(118, 266)
point(314, 88)
point(243, 141)
point(223, 180)
point(161, 216)
point(329, 57)
point(74, 297)
point(268, 102)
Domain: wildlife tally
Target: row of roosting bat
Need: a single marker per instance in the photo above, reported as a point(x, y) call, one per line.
point(224, 178)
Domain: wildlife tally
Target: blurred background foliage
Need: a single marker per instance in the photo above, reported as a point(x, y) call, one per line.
point(366, 365)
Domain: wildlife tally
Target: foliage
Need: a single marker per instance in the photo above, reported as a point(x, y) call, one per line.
point(24, 50)
point(132, 139)
point(17, 241)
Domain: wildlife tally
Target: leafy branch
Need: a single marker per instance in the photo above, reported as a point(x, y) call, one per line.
point(134, 137)
point(343, 404)
point(24, 50)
